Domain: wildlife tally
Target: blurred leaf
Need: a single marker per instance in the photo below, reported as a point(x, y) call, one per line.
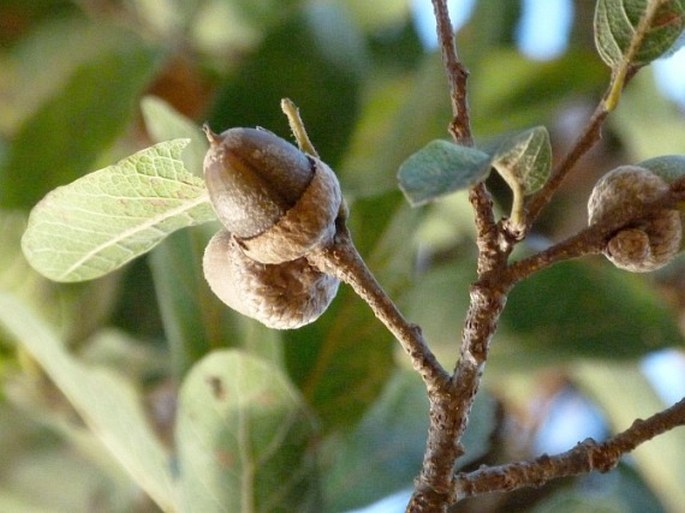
point(244, 439)
point(42, 62)
point(10, 502)
point(616, 22)
point(438, 302)
point(524, 160)
point(439, 168)
point(383, 454)
point(382, 141)
point(622, 491)
point(493, 24)
point(68, 484)
point(577, 309)
point(164, 123)
point(103, 220)
point(62, 306)
point(510, 92)
point(264, 13)
point(316, 59)
point(64, 137)
point(577, 502)
point(195, 320)
point(340, 362)
point(668, 167)
point(109, 405)
point(647, 123)
point(378, 14)
point(625, 395)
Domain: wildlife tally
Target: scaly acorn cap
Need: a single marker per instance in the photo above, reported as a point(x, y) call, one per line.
point(277, 201)
point(280, 296)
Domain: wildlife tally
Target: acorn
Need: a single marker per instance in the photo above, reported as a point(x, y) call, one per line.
point(277, 201)
point(277, 204)
point(280, 296)
point(649, 244)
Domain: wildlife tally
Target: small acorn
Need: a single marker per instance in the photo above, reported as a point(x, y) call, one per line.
point(281, 296)
point(277, 204)
point(649, 244)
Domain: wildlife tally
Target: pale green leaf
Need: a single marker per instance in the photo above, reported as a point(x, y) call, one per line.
point(12, 502)
point(244, 439)
point(100, 222)
point(164, 123)
point(668, 167)
point(647, 124)
point(381, 141)
point(109, 405)
point(524, 160)
point(625, 395)
point(61, 307)
point(616, 25)
point(384, 452)
point(195, 320)
point(63, 138)
point(580, 309)
point(440, 168)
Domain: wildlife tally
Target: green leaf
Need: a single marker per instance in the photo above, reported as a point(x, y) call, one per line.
point(244, 439)
point(524, 160)
point(109, 405)
point(164, 123)
point(195, 320)
point(61, 306)
point(384, 452)
point(316, 58)
point(647, 124)
point(510, 92)
point(64, 137)
point(625, 394)
point(668, 167)
point(339, 372)
point(581, 309)
point(617, 23)
point(99, 222)
point(440, 168)
point(381, 141)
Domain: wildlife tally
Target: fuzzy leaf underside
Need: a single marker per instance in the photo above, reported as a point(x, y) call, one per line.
point(440, 168)
point(244, 439)
point(616, 23)
point(101, 221)
point(525, 159)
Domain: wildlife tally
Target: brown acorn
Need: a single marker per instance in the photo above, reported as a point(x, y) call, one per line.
point(650, 244)
point(277, 204)
point(280, 296)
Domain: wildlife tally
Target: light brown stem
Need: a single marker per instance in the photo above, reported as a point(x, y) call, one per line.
point(584, 457)
point(341, 259)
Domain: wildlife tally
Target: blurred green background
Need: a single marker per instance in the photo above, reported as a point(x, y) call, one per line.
point(567, 362)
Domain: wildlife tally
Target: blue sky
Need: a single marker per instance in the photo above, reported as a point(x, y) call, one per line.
point(543, 34)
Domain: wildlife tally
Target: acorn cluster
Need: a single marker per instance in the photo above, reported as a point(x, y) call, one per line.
point(277, 204)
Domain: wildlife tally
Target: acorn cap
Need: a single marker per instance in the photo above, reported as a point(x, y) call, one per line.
point(306, 226)
point(282, 296)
